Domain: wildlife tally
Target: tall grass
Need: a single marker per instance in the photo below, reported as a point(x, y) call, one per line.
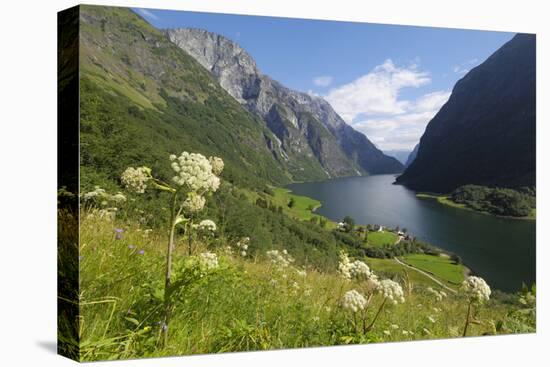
point(247, 303)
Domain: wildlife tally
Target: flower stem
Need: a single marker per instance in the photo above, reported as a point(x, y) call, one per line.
point(467, 319)
point(167, 283)
point(376, 316)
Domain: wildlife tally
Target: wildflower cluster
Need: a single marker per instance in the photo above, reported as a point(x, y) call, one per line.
point(280, 259)
point(209, 260)
point(476, 289)
point(135, 179)
point(242, 245)
point(217, 165)
point(194, 203)
point(439, 295)
point(194, 171)
point(354, 301)
point(391, 291)
point(207, 226)
point(102, 197)
point(355, 270)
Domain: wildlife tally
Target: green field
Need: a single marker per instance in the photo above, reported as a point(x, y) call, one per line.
point(303, 206)
point(390, 266)
point(439, 266)
point(381, 238)
point(442, 199)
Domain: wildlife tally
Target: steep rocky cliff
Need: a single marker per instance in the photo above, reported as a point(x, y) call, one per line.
point(310, 132)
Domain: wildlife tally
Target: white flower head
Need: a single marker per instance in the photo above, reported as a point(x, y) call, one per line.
point(207, 225)
point(279, 259)
point(119, 198)
point(217, 165)
point(135, 179)
point(356, 270)
point(354, 301)
point(194, 171)
point(193, 203)
point(391, 290)
point(209, 259)
point(476, 289)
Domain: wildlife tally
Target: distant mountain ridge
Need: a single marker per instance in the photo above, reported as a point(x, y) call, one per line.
point(485, 133)
point(309, 131)
point(412, 155)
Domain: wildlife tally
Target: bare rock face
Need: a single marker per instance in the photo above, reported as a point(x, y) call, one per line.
point(311, 133)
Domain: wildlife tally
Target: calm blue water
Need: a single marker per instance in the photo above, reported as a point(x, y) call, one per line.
point(500, 250)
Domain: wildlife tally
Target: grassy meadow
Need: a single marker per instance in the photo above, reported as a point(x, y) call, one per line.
point(381, 238)
point(248, 302)
point(440, 266)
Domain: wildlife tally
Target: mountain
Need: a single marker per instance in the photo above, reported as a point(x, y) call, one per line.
point(412, 155)
point(307, 128)
point(143, 98)
point(400, 155)
point(485, 133)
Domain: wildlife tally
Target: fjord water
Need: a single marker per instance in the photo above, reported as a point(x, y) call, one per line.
point(501, 250)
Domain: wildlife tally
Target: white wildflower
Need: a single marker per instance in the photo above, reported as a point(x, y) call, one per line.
point(281, 260)
point(354, 301)
point(217, 165)
point(242, 245)
point(476, 289)
point(209, 259)
point(301, 273)
point(431, 319)
point(119, 198)
point(194, 171)
point(439, 295)
point(207, 225)
point(193, 203)
point(135, 179)
point(391, 291)
point(295, 285)
point(387, 332)
point(356, 270)
point(394, 326)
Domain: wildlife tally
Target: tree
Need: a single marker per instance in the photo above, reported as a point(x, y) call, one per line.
point(349, 223)
point(291, 203)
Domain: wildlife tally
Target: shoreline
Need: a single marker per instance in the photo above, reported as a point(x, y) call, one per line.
point(444, 200)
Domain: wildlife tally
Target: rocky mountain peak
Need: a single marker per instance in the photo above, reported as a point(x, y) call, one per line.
point(235, 69)
point(307, 126)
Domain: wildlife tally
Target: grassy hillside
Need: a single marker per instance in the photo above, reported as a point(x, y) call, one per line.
point(249, 303)
point(142, 98)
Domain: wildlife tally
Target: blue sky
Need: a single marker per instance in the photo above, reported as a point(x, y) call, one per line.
point(385, 80)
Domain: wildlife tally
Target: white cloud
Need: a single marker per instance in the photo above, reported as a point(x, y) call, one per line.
point(146, 13)
point(323, 81)
point(402, 131)
point(376, 92)
point(372, 105)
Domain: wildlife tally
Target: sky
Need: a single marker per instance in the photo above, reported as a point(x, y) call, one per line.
point(386, 81)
